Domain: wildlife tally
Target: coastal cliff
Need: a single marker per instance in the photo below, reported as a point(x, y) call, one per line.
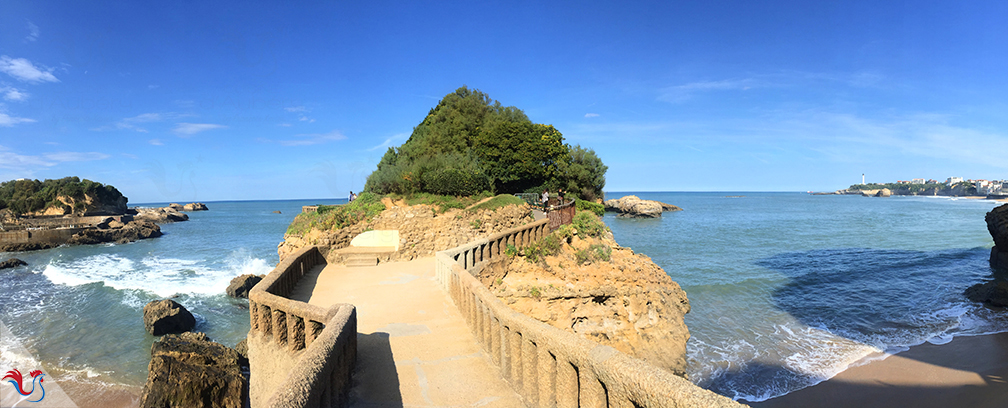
point(591, 286)
point(634, 207)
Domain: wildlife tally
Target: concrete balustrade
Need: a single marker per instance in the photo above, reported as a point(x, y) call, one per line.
point(302, 355)
point(547, 366)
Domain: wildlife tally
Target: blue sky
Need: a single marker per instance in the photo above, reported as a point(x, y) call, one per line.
point(208, 101)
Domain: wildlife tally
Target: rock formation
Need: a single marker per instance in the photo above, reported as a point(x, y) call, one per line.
point(160, 215)
point(241, 285)
point(422, 231)
point(114, 231)
point(12, 263)
point(190, 370)
point(997, 225)
point(595, 288)
point(194, 207)
point(166, 316)
point(634, 207)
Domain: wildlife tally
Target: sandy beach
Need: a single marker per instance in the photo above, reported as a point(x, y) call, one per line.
point(966, 372)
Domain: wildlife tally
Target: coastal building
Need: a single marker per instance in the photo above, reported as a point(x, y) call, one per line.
point(917, 181)
point(954, 180)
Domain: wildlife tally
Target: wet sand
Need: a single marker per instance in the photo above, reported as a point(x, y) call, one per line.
point(966, 372)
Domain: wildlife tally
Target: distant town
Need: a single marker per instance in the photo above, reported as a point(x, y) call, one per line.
point(983, 187)
point(952, 186)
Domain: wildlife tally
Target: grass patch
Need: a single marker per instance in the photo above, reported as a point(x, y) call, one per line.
point(539, 250)
point(332, 217)
point(596, 252)
point(502, 200)
point(442, 202)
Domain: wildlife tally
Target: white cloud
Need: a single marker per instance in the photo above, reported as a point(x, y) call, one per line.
point(33, 32)
point(189, 129)
point(8, 120)
point(296, 109)
point(24, 70)
point(13, 94)
point(132, 122)
point(388, 142)
point(155, 142)
point(13, 160)
point(313, 139)
point(591, 115)
point(681, 93)
point(284, 124)
point(75, 156)
point(304, 118)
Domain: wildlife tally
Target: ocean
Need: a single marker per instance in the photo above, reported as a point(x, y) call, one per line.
point(789, 289)
point(79, 310)
point(786, 289)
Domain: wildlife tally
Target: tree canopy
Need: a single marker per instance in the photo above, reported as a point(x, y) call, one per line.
point(470, 143)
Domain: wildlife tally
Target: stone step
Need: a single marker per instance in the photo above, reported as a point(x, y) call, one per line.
point(361, 260)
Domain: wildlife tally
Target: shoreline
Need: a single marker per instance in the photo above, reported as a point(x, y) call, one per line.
point(969, 371)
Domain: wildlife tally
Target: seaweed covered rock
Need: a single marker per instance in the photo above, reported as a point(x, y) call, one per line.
point(166, 316)
point(190, 370)
point(12, 263)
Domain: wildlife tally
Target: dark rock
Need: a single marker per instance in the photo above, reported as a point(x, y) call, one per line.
point(12, 263)
point(994, 293)
point(166, 316)
point(997, 225)
point(242, 349)
point(133, 231)
point(190, 370)
point(277, 212)
point(241, 285)
point(27, 246)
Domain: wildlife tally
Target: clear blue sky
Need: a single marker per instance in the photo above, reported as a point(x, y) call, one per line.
point(185, 101)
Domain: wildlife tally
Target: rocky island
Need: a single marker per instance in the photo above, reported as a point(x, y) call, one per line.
point(632, 206)
point(45, 214)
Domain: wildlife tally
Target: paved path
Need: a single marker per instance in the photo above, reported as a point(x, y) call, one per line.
point(413, 347)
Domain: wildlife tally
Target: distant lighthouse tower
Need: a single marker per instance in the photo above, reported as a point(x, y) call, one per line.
point(862, 178)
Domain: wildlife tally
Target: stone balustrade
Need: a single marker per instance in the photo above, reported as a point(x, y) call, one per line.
point(316, 347)
point(547, 366)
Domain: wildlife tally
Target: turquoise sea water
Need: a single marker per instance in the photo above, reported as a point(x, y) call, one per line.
point(79, 310)
point(786, 289)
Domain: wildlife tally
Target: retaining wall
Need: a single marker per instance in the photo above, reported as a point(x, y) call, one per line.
point(547, 366)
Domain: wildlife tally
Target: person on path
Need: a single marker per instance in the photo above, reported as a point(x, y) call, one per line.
point(545, 198)
point(352, 196)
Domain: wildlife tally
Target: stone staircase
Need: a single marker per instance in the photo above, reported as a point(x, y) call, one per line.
point(361, 259)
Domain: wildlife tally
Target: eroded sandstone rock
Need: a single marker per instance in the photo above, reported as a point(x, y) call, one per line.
point(166, 316)
point(997, 225)
point(634, 207)
point(190, 370)
point(241, 285)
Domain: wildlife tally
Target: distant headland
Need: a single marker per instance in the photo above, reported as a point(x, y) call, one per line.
point(951, 187)
point(69, 211)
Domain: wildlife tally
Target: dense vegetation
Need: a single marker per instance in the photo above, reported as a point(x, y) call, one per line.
point(965, 188)
point(470, 144)
point(26, 196)
point(334, 217)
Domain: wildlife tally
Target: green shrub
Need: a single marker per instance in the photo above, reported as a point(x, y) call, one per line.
point(565, 232)
point(595, 252)
point(582, 256)
point(588, 224)
point(539, 250)
point(535, 292)
point(501, 200)
point(511, 251)
point(475, 224)
point(596, 208)
point(333, 217)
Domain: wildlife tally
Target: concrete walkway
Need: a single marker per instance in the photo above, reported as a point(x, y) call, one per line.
point(413, 347)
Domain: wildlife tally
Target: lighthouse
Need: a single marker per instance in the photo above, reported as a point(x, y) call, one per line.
point(862, 178)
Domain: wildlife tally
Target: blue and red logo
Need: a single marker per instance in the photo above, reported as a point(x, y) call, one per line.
point(14, 377)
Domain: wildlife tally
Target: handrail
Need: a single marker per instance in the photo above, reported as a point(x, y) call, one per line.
point(547, 366)
point(327, 336)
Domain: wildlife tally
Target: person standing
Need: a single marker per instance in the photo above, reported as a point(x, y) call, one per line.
point(352, 196)
point(545, 198)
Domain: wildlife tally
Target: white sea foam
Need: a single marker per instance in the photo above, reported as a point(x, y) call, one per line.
point(160, 275)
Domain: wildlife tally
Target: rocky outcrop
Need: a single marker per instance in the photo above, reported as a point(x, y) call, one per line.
point(994, 293)
point(117, 232)
point(12, 263)
point(86, 205)
point(160, 215)
point(634, 207)
point(997, 225)
point(595, 288)
point(190, 370)
point(166, 316)
point(422, 231)
point(194, 207)
point(241, 285)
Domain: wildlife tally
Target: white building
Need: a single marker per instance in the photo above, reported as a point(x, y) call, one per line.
point(917, 181)
point(954, 180)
